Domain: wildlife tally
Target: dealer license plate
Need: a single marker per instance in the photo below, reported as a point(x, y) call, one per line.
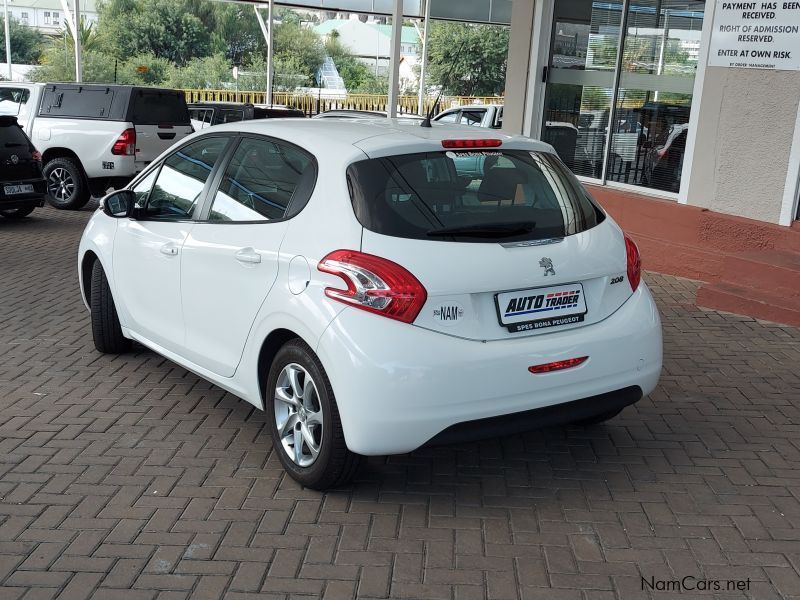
point(25, 188)
point(539, 308)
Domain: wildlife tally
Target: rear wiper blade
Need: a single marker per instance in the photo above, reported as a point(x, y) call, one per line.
point(486, 230)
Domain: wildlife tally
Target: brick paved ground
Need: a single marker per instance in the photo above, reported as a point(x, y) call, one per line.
point(128, 477)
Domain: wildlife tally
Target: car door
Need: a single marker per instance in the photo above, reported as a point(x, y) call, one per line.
point(230, 258)
point(147, 247)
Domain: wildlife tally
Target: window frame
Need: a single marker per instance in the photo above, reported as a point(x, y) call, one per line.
point(294, 207)
point(141, 215)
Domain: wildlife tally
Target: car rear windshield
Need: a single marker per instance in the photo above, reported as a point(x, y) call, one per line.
point(475, 196)
point(12, 136)
point(159, 107)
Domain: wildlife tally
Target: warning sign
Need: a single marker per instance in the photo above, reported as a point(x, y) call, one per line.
point(756, 35)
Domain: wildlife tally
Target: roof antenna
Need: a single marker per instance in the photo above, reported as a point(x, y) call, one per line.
point(426, 122)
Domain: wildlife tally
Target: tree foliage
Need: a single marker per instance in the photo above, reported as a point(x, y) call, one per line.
point(168, 29)
point(26, 42)
point(467, 59)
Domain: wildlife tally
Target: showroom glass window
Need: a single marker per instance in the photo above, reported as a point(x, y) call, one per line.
point(626, 125)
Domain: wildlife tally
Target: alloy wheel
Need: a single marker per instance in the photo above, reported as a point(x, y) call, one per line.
point(60, 184)
point(298, 415)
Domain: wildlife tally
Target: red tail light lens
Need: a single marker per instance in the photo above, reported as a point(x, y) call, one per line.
point(125, 144)
point(374, 284)
point(557, 365)
point(471, 143)
point(634, 263)
point(36, 156)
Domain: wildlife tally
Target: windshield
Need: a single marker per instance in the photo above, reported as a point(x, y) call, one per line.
point(496, 196)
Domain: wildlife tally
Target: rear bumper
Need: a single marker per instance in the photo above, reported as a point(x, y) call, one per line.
point(29, 201)
point(547, 416)
point(34, 199)
point(398, 386)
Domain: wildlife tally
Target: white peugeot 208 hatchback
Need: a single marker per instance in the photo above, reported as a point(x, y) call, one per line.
point(374, 285)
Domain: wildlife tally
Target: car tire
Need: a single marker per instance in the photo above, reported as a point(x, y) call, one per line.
point(106, 330)
point(601, 418)
point(16, 213)
point(315, 420)
point(67, 187)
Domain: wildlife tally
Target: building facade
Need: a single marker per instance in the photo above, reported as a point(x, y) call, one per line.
point(649, 96)
point(48, 15)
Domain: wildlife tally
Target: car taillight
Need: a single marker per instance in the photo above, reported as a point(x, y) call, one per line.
point(557, 365)
point(471, 143)
point(662, 152)
point(374, 284)
point(634, 263)
point(125, 144)
point(36, 156)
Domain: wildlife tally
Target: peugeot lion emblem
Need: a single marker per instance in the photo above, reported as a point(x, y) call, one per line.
point(547, 265)
point(14, 159)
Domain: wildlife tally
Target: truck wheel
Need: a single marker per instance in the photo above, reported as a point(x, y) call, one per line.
point(67, 187)
point(106, 330)
point(16, 213)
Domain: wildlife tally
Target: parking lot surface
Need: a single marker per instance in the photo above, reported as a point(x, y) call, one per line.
point(128, 477)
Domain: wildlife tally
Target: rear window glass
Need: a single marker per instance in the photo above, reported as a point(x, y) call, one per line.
point(159, 107)
point(11, 135)
point(505, 196)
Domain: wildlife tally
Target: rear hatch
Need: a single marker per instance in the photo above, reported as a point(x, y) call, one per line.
point(160, 118)
point(17, 160)
point(507, 243)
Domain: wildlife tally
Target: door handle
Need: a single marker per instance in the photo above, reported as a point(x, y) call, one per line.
point(248, 255)
point(170, 249)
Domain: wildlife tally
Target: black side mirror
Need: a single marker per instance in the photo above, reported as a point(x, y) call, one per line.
point(119, 204)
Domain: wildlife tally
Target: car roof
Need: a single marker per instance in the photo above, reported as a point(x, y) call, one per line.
point(376, 136)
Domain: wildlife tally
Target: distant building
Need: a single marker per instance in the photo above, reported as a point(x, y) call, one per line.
point(371, 42)
point(47, 15)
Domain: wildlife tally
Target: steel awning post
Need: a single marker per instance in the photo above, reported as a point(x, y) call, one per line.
point(394, 58)
point(423, 58)
point(8, 39)
point(266, 30)
point(73, 21)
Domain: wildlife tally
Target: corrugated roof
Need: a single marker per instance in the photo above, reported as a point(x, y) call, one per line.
point(409, 33)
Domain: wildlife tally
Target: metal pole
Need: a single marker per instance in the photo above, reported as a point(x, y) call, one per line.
point(612, 112)
point(8, 38)
point(77, 32)
point(266, 30)
point(270, 54)
point(394, 58)
point(424, 60)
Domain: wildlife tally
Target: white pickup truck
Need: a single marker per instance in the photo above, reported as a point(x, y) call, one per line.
point(93, 137)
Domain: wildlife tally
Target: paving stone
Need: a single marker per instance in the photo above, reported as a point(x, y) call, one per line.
point(128, 477)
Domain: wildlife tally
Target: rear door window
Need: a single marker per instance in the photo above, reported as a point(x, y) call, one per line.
point(261, 180)
point(450, 117)
point(508, 195)
point(472, 117)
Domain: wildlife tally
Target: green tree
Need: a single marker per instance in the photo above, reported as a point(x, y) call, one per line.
point(26, 42)
point(468, 59)
point(298, 48)
point(87, 32)
point(213, 72)
point(58, 64)
point(168, 29)
point(237, 33)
